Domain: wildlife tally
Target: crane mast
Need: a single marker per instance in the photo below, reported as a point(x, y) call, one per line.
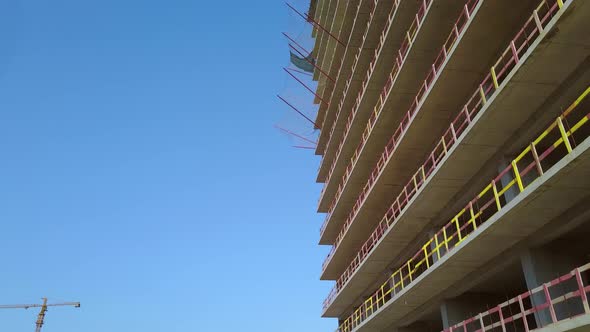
point(41, 316)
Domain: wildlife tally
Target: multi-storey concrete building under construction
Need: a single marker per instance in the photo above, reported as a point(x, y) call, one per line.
point(455, 163)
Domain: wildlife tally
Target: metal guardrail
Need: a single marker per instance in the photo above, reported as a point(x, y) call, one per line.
point(348, 81)
point(506, 62)
point(558, 141)
point(520, 308)
point(457, 29)
point(399, 60)
point(340, 105)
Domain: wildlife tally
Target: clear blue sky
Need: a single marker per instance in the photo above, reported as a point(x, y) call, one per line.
point(140, 173)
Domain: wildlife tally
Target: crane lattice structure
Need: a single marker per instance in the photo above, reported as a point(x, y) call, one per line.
point(43, 306)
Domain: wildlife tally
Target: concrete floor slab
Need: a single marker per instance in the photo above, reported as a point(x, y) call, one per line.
point(467, 63)
point(374, 79)
point(576, 324)
point(437, 22)
point(398, 19)
point(326, 18)
point(488, 132)
point(333, 49)
point(520, 218)
point(327, 114)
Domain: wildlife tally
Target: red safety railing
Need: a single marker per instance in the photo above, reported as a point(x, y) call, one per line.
point(341, 62)
point(536, 308)
point(356, 56)
point(399, 60)
point(491, 82)
point(555, 144)
point(410, 35)
point(395, 4)
point(341, 103)
point(457, 29)
point(348, 81)
point(558, 141)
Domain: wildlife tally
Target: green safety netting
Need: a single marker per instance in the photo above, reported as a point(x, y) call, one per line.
point(305, 64)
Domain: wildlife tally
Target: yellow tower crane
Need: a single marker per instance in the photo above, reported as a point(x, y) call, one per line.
point(43, 307)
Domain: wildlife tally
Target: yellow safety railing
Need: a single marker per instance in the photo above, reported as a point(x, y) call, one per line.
point(558, 140)
point(506, 63)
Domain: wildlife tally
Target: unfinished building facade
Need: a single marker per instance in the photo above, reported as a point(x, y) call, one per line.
point(455, 163)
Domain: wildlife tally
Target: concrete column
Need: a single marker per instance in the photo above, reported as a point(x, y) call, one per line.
point(542, 265)
point(391, 283)
point(442, 249)
point(513, 191)
point(456, 310)
point(526, 179)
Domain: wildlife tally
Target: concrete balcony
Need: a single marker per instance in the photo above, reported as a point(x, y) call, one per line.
point(480, 133)
point(404, 66)
point(461, 63)
point(341, 27)
point(541, 202)
point(384, 15)
point(325, 45)
point(400, 15)
point(546, 180)
point(358, 27)
point(345, 35)
point(543, 316)
point(325, 20)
